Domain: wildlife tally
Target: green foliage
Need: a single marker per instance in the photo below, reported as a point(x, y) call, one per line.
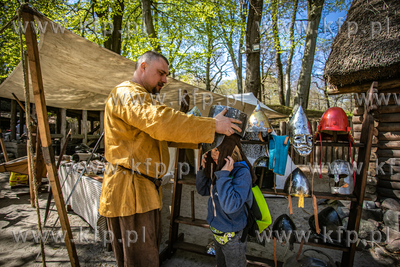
point(201, 39)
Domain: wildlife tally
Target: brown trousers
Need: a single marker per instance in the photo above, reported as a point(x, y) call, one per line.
point(136, 238)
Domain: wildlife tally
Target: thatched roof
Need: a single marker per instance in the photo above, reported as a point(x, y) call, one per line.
point(358, 58)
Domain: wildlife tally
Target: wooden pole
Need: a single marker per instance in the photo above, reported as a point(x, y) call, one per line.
point(13, 122)
point(361, 181)
point(84, 126)
point(20, 103)
point(3, 147)
point(192, 205)
point(43, 126)
point(63, 127)
point(102, 127)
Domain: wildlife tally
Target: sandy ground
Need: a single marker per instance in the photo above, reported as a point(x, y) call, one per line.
point(16, 214)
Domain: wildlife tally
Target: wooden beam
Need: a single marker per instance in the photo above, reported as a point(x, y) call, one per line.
point(20, 103)
point(13, 121)
point(360, 185)
point(176, 202)
point(21, 121)
point(84, 126)
point(3, 147)
point(43, 126)
point(362, 88)
point(63, 126)
point(102, 127)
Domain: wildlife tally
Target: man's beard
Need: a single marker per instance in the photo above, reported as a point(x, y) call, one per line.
point(154, 90)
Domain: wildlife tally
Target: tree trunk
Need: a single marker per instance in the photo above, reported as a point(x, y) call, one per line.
point(149, 26)
point(114, 42)
point(277, 45)
point(243, 11)
point(209, 53)
point(291, 53)
point(253, 80)
point(314, 9)
point(326, 95)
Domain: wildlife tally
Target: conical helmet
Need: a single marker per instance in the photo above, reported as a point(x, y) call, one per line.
point(284, 225)
point(258, 121)
point(300, 133)
point(265, 176)
point(231, 113)
point(297, 184)
point(195, 111)
point(307, 261)
point(330, 219)
point(261, 162)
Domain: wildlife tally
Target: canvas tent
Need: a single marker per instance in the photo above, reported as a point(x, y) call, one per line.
point(78, 74)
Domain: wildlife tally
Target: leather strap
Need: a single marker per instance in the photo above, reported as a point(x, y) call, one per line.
point(156, 182)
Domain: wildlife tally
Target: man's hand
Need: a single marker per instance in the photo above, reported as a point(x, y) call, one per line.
point(228, 165)
point(225, 125)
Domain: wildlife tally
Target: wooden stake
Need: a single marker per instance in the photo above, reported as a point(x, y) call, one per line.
point(19, 102)
point(290, 204)
point(3, 147)
point(316, 215)
point(30, 177)
point(192, 202)
point(275, 259)
point(84, 126)
point(43, 126)
point(300, 249)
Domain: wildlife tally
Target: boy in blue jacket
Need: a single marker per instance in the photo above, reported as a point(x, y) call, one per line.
point(227, 173)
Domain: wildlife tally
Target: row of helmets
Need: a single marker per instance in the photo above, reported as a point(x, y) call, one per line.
point(334, 120)
point(328, 218)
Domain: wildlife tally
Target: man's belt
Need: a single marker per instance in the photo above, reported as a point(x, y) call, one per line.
point(155, 181)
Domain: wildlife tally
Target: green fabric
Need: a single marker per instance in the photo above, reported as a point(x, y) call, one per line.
point(262, 205)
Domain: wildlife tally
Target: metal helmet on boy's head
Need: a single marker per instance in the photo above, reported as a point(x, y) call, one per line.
point(258, 121)
point(300, 133)
point(231, 113)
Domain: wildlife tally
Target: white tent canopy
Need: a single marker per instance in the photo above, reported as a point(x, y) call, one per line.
point(78, 74)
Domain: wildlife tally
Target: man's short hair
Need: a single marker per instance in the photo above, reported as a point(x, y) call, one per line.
point(148, 57)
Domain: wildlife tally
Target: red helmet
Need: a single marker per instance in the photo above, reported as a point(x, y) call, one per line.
point(334, 120)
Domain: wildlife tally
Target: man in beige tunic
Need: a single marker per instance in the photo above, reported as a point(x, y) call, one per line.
point(137, 133)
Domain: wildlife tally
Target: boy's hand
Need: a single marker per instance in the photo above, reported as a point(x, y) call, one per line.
point(203, 161)
point(229, 164)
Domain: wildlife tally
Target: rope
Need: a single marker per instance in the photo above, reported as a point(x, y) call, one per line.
point(9, 23)
point(28, 124)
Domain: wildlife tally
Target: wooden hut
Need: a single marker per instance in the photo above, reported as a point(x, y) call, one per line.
point(365, 53)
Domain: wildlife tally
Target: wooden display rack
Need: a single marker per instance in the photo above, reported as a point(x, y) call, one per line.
point(176, 240)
